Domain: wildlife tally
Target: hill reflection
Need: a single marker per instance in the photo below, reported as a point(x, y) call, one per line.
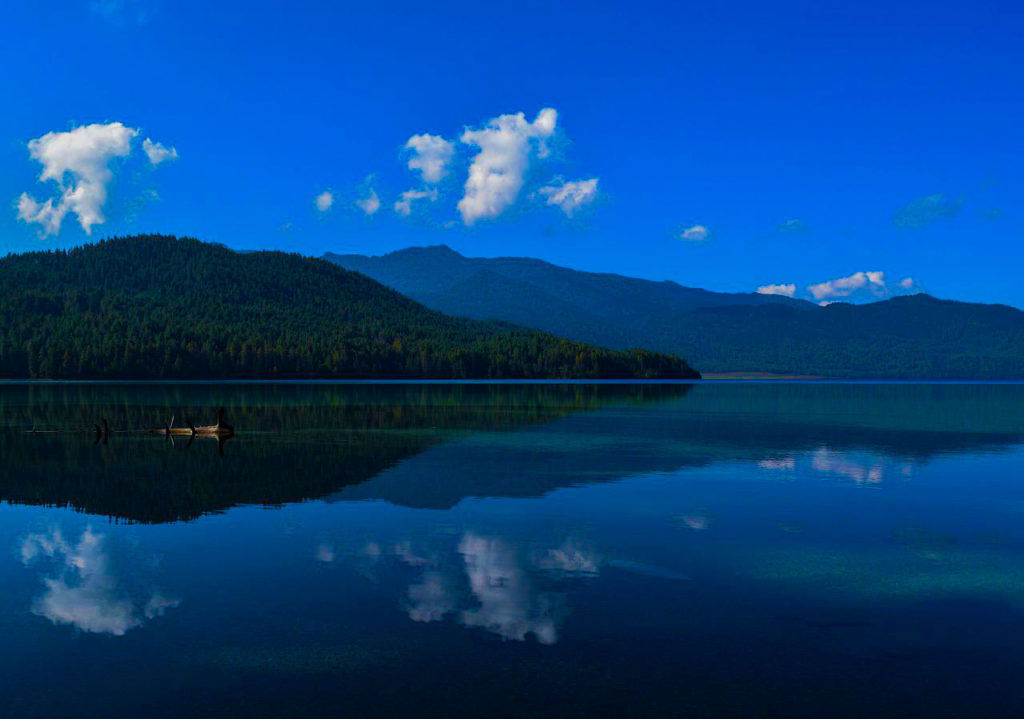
point(428, 445)
point(295, 442)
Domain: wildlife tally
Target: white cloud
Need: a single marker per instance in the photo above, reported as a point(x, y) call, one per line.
point(79, 162)
point(571, 196)
point(873, 282)
point(907, 283)
point(496, 174)
point(696, 233)
point(370, 203)
point(85, 592)
point(324, 201)
point(786, 290)
point(404, 205)
point(431, 155)
point(157, 152)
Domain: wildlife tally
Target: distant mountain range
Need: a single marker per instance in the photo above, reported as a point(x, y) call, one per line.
point(151, 307)
point(911, 337)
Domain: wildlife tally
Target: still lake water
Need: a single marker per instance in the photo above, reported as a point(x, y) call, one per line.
point(358, 550)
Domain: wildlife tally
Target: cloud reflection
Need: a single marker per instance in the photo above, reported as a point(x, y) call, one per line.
point(493, 585)
point(860, 468)
point(508, 605)
point(432, 598)
point(85, 593)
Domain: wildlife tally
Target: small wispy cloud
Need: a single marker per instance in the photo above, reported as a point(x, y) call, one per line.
point(369, 203)
point(872, 282)
point(927, 210)
point(695, 233)
point(324, 201)
point(570, 196)
point(793, 227)
point(785, 290)
point(404, 204)
point(157, 152)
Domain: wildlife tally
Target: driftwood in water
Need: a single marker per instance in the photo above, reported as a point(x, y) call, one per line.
point(221, 429)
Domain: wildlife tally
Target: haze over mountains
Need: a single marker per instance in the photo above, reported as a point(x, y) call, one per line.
point(911, 337)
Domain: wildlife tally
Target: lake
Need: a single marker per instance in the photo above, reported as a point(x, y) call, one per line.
point(513, 550)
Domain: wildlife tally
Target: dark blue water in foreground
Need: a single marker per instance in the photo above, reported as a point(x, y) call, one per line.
point(720, 550)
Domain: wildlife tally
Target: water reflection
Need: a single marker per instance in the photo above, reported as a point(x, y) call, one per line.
point(367, 442)
point(487, 581)
point(809, 579)
point(294, 442)
point(84, 591)
point(858, 467)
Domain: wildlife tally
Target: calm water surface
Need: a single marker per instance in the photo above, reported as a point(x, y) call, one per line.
point(720, 550)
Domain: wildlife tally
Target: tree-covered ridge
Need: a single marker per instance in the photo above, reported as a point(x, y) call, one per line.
point(156, 306)
point(917, 336)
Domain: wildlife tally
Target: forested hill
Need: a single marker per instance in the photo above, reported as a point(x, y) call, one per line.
point(162, 307)
point(916, 337)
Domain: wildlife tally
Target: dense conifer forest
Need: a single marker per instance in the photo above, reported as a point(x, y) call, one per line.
point(160, 307)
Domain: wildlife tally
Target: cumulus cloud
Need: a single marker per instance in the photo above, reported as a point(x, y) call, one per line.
point(571, 196)
point(696, 233)
point(430, 155)
point(404, 205)
point(506, 146)
point(872, 282)
point(85, 593)
point(157, 152)
point(786, 290)
point(79, 162)
point(324, 201)
point(927, 210)
point(793, 227)
point(369, 203)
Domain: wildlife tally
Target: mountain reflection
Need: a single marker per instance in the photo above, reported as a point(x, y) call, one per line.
point(294, 442)
point(299, 442)
point(84, 591)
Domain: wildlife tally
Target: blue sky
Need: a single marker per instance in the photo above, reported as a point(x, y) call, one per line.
point(793, 143)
